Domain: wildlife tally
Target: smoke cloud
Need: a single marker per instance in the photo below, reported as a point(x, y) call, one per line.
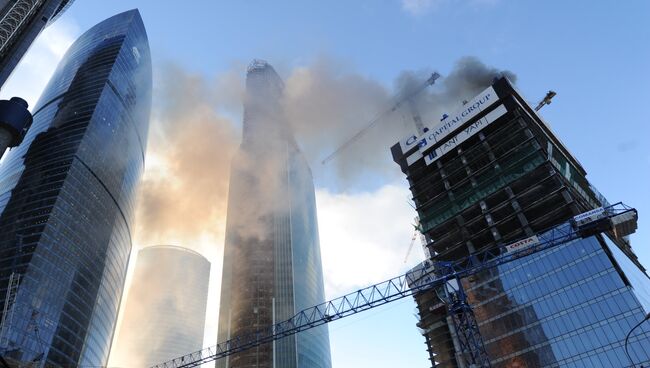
point(327, 106)
point(196, 130)
point(184, 192)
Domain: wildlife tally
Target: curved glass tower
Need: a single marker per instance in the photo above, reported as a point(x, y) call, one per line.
point(67, 195)
point(272, 264)
point(164, 316)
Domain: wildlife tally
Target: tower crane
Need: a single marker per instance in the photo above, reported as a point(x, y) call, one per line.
point(417, 230)
point(441, 277)
point(408, 252)
point(408, 99)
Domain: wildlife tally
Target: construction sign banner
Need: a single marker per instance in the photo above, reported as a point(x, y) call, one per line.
point(465, 134)
point(451, 123)
point(521, 244)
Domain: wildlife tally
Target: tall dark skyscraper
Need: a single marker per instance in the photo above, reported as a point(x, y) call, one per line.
point(67, 195)
point(493, 173)
point(272, 264)
point(164, 315)
point(21, 21)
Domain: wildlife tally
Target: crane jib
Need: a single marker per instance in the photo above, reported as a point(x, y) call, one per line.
point(379, 117)
point(618, 219)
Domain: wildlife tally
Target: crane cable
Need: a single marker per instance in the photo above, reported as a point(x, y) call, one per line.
point(647, 317)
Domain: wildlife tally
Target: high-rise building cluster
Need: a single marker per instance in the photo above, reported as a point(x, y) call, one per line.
point(67, 199)
point(491, 176)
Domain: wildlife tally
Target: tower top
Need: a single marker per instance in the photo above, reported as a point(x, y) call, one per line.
point(257, 64)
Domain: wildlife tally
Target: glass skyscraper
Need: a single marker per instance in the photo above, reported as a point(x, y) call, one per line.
point(164, 316)
point(67, 195)
point(493, 173)
point(272, 265)
point(21, 21)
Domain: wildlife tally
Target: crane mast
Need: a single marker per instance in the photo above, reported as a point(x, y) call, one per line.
point(442, 277)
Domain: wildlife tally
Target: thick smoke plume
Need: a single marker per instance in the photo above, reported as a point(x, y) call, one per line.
point(327, 106)
point(195, 132)
point(183, 196)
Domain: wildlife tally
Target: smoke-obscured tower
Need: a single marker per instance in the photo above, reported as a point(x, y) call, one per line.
point(21, 21)
point(272, 264)
point(164, 316)
point(67, 195)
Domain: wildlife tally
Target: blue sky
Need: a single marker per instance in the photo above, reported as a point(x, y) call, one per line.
point(593, 54)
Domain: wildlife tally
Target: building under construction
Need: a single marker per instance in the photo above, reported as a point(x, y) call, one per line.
point(490, 174)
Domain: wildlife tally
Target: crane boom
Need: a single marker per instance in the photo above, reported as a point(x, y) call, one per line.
point(618, 218)
point(430, 81)
point(408, 252)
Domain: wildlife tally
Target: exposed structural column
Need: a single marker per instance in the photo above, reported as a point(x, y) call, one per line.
point(15, 119)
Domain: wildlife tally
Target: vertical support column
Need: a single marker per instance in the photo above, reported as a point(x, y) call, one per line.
point(484, 207)
point(523, 221)
point(472, 350)
point(458, 349)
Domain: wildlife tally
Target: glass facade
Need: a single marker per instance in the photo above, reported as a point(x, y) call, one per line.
point(570, 306)
point(502, 176)
point(21, 22)
point(164, 316)
point(67, 196)
point(272, 264)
